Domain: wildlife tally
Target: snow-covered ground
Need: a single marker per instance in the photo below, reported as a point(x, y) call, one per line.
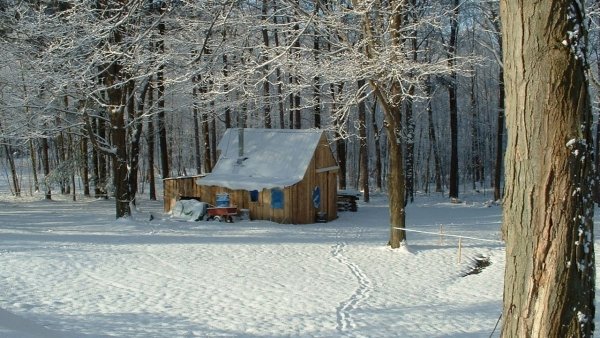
point(69, 269)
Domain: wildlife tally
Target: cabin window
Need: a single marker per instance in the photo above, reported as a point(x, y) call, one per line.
point(254, 196)
point(276, 199)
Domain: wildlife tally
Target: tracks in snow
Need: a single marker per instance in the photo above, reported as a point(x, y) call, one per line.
point(345, 309)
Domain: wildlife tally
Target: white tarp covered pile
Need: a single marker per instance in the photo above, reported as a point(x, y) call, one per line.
point(190, 210)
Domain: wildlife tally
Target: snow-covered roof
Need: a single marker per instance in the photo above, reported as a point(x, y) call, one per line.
point(271, 158)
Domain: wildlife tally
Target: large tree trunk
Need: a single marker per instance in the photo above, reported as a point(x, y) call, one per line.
point(114, 80)
point(548, 213)
point(396, 189)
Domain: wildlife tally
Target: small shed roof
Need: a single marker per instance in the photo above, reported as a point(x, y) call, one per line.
point(272, 158)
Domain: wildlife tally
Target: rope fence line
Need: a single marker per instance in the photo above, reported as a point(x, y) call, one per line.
point(443, 235)
point(449, 235)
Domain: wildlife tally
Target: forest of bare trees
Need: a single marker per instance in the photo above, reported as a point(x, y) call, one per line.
point(106, 97)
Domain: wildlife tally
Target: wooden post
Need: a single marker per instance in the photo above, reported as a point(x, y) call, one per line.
point(459, 249)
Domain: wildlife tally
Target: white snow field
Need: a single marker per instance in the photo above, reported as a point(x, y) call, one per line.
point(69, 269)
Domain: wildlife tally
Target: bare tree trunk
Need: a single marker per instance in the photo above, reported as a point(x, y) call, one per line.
point(113, 78)
point(410, 147)
point(266, 84)
point(433, 141)
point(85, 165)
point(150, 144)
point(476, 165)
point(226, 90)
point(279, 75)
point(46, 166)
point(376, 135)
point(389, 94)
point(36, 183)
point(340, 141)
point(499, 155)
point(195, 117)
point(102, 180)
point(213, 137)
point(162, 124)
point(364, 146)
point(61, 160)
point(396, 180)
point(137, 124)
point(297, 108)
point(71, 161)
point(206, 140)
point(317, 79)
point(453, 102)
point(16, 186)
point(548, 213)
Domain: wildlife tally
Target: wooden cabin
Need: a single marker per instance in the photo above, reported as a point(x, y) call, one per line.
point(281, 175)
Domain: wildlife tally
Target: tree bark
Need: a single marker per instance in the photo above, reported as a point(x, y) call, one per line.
point(389, 93)
point(266, 84)
point(377, 136)
point(453, 103)
point(433, 140)
point(499, 163)
point(162, 124)
point(195, 117)
point(36, 184)
point(340, 142)
point(46, 166)
point(476, 164)
point(150, 144)
point(136, 112)
point(410, 147)
point(16, 186)
point(364, 146)
point(548, 212)
point(85, 166)
point(115, 83)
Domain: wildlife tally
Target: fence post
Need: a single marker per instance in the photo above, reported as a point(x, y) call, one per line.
point(459, 249)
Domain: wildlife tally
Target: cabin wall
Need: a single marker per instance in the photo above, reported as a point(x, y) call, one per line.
point(181, 187)
point(322, 173)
